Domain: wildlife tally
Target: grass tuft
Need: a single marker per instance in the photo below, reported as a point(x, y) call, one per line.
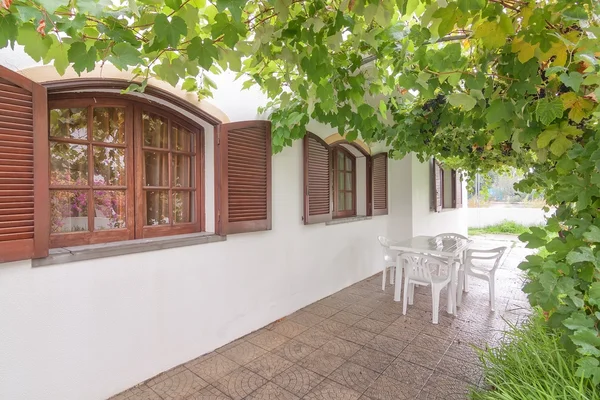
point(506, 227)
point(531, 364)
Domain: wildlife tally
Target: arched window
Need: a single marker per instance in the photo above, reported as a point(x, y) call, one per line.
point(344, 183)
point(121, 169)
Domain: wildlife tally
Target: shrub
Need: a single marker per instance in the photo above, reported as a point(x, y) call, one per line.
point(531, 364)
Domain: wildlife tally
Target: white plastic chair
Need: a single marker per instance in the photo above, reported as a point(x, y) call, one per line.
point(420, 269)
point(389, 260)
point(481, 264)
point(456, 236)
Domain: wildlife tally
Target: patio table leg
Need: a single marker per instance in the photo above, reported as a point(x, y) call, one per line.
point(398, 285)
point(451, 309)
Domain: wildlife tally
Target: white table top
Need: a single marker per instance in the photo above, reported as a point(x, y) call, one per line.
point(431, 245)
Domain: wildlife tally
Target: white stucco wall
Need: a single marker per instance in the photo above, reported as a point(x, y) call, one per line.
point(90, 329)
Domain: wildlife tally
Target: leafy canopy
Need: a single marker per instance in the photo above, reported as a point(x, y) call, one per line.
point(479, 83)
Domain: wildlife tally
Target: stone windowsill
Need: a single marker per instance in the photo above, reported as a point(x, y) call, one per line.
point(338, 221)
point(89, 252)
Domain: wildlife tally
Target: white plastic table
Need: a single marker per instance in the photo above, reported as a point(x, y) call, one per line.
point(451, 249)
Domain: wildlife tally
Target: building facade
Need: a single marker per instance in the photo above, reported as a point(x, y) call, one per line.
point(144, 230)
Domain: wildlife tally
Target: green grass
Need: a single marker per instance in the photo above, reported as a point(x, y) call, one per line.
point(505, 227)
point(531, 364)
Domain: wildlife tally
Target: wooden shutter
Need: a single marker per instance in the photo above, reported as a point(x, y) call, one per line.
point(24, 197)
point(456, 189)
point(380, 184)
point(317, 183)
point(244, 174)
point(437, 188)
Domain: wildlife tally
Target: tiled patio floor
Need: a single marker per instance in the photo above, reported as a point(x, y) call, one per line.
point(353, 345)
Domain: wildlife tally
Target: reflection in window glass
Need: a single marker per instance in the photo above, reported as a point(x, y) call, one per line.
point(109, 166)
point(348, 181)
point(341, 159)
point(68, 211)
point(110, 209)
point(68, 164)
point(109, 125)
point(182, 171)
point(348, 201)
point(181, 139)
point(155, 130)
point(183, 207)
point(157, 207)
point(341, 201)
point(348, 164)
point(156, 168)
point(341, 181)
point(69, 123)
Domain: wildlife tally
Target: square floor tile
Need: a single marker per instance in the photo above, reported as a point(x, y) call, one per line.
point(298, 380)
point(409, 373)
point(371, 325)
point(288, 328)
point(354, 376)
point(447, 387)
point(321, 362)
point(321, 310)
point(403, 334)
point(293, 350)
point(140, 392)
point(346, 318)
point(271, 391)
point(209, 393)
point(372, 359)
point(460, 369)
point(424, 357)
point(430, 342)
point(240, 383)
point(332, 327)
point(386, 388)
point(244, 352)
point(269, 365)
point(330, 390)
point(359, 310)
point(305, 318)
point(179, 386)
point(268, 340)
point(387, 345)
point(356, 335)
point(314, 337)
point(341, 348)
point(213, 368)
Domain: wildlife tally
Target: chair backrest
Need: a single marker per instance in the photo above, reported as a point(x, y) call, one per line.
point(450, 235)
point(384, 241)
point(491, 257)
point(420, 266)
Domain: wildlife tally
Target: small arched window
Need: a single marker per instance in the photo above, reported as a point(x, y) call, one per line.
point(344, 183)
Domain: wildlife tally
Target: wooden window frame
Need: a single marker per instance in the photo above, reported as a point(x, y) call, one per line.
point(335, 171)
point(134, 167)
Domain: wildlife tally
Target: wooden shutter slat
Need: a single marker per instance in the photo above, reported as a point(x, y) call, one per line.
point(456, 189)
point(379, 184)
point(244, 168)
point(317, 188)
point(24, 197)
point(437, 188)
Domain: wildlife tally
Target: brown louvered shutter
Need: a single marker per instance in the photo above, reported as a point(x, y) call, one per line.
point(244, 165)
point(24, 202)
point(380, 184)
point(456, 189)
point(317, 183)
point(437, 183)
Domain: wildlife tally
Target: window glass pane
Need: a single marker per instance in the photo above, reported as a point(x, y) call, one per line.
point(349, 181)
point(109, 125)
point(348, 164)
point(183, 174)
point(109, 166)
point(348, 201)
point(183, 207)
point(341, 201)
point(156, 168)
point(341, 158)
point(110, 209)
point(181, 139)
point(157, 207)
point(68, 211)
point(155, 130)
point(69, 123)
point(341, 181)
point(68, 164)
